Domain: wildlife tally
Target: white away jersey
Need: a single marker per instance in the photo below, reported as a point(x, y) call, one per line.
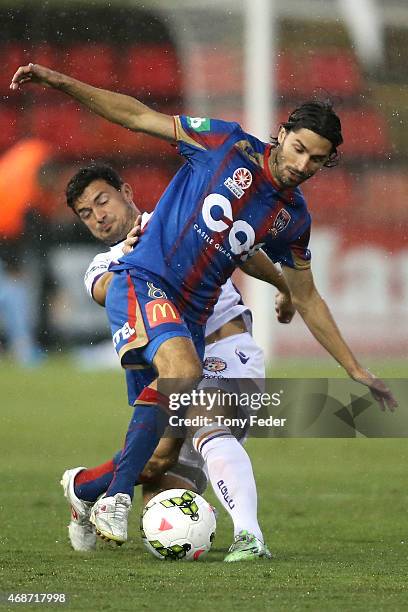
point(229, 306)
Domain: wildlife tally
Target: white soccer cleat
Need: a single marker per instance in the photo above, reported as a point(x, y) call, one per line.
point(81, 532)
point(110, 517)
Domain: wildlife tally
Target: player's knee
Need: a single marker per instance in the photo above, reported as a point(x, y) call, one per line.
point(190, 368)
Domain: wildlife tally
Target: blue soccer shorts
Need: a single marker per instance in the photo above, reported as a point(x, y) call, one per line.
point(142, 314)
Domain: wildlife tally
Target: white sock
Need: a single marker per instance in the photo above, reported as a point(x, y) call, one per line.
point(231, 476)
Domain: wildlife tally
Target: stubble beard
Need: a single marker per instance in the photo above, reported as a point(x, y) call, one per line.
point(122, 230)
point(280, 167)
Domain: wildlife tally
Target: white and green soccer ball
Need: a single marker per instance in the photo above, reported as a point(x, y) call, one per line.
point(178, 524)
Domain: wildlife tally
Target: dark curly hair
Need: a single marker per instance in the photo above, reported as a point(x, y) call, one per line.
point(85, 176)
point(319, 117)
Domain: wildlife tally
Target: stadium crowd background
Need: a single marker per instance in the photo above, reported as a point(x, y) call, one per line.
point(359, 208)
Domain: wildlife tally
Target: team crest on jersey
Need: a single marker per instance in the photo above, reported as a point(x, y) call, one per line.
point(215, 364)
point(242, 177)
point(155, 292)
point(281, 222)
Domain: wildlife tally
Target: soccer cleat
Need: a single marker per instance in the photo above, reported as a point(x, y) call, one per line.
point(110, 517)
point(80, 530)
point(246, 547)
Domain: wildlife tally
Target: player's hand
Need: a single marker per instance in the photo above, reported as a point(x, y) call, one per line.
point(378, 389)
point(133, 236)
point(284, 308)
point(164, 457)
point(34, 73)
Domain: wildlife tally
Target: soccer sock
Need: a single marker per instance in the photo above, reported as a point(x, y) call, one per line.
point(144, 432)
point(231, 476)
point(91, 483)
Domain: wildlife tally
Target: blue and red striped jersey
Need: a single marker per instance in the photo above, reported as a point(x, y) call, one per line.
point(220, 208)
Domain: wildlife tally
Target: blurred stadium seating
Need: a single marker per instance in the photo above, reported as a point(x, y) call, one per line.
point(216, 70)
point(151, 70)
point(9, 126)
point(334, 71)
point(383, 198)
point(148, 184)
point(331, 195)
point(11, 55)
point(365, 132)
point(93, 62)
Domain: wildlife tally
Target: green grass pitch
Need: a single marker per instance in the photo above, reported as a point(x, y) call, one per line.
point(334, 511)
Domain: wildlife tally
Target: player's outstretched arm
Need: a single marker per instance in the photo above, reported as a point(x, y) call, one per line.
point(261, 267)
point(318, 318)
point(115, 107)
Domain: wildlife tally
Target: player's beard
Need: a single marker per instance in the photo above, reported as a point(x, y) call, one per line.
point(121, 229)
point(281, 170)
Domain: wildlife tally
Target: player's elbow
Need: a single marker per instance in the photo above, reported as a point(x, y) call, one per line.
point(99, 297)
point(101, 287)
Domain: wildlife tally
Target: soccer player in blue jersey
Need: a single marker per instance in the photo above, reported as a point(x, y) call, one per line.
point(103, 202)
point(234, 195)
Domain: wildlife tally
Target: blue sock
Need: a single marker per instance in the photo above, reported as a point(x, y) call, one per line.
point(145, 430)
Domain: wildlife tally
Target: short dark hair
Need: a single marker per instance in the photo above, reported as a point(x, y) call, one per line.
point(319, 117)
point(86, 175)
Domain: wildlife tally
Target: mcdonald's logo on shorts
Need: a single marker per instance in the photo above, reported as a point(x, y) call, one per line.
point(161, 311)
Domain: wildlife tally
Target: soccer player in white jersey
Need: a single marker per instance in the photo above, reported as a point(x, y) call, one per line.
point(106, 207)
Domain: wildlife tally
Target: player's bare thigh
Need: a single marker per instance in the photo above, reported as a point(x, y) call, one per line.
point(177, 358)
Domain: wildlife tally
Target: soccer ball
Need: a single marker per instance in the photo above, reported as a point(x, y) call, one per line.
point(178, 524)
